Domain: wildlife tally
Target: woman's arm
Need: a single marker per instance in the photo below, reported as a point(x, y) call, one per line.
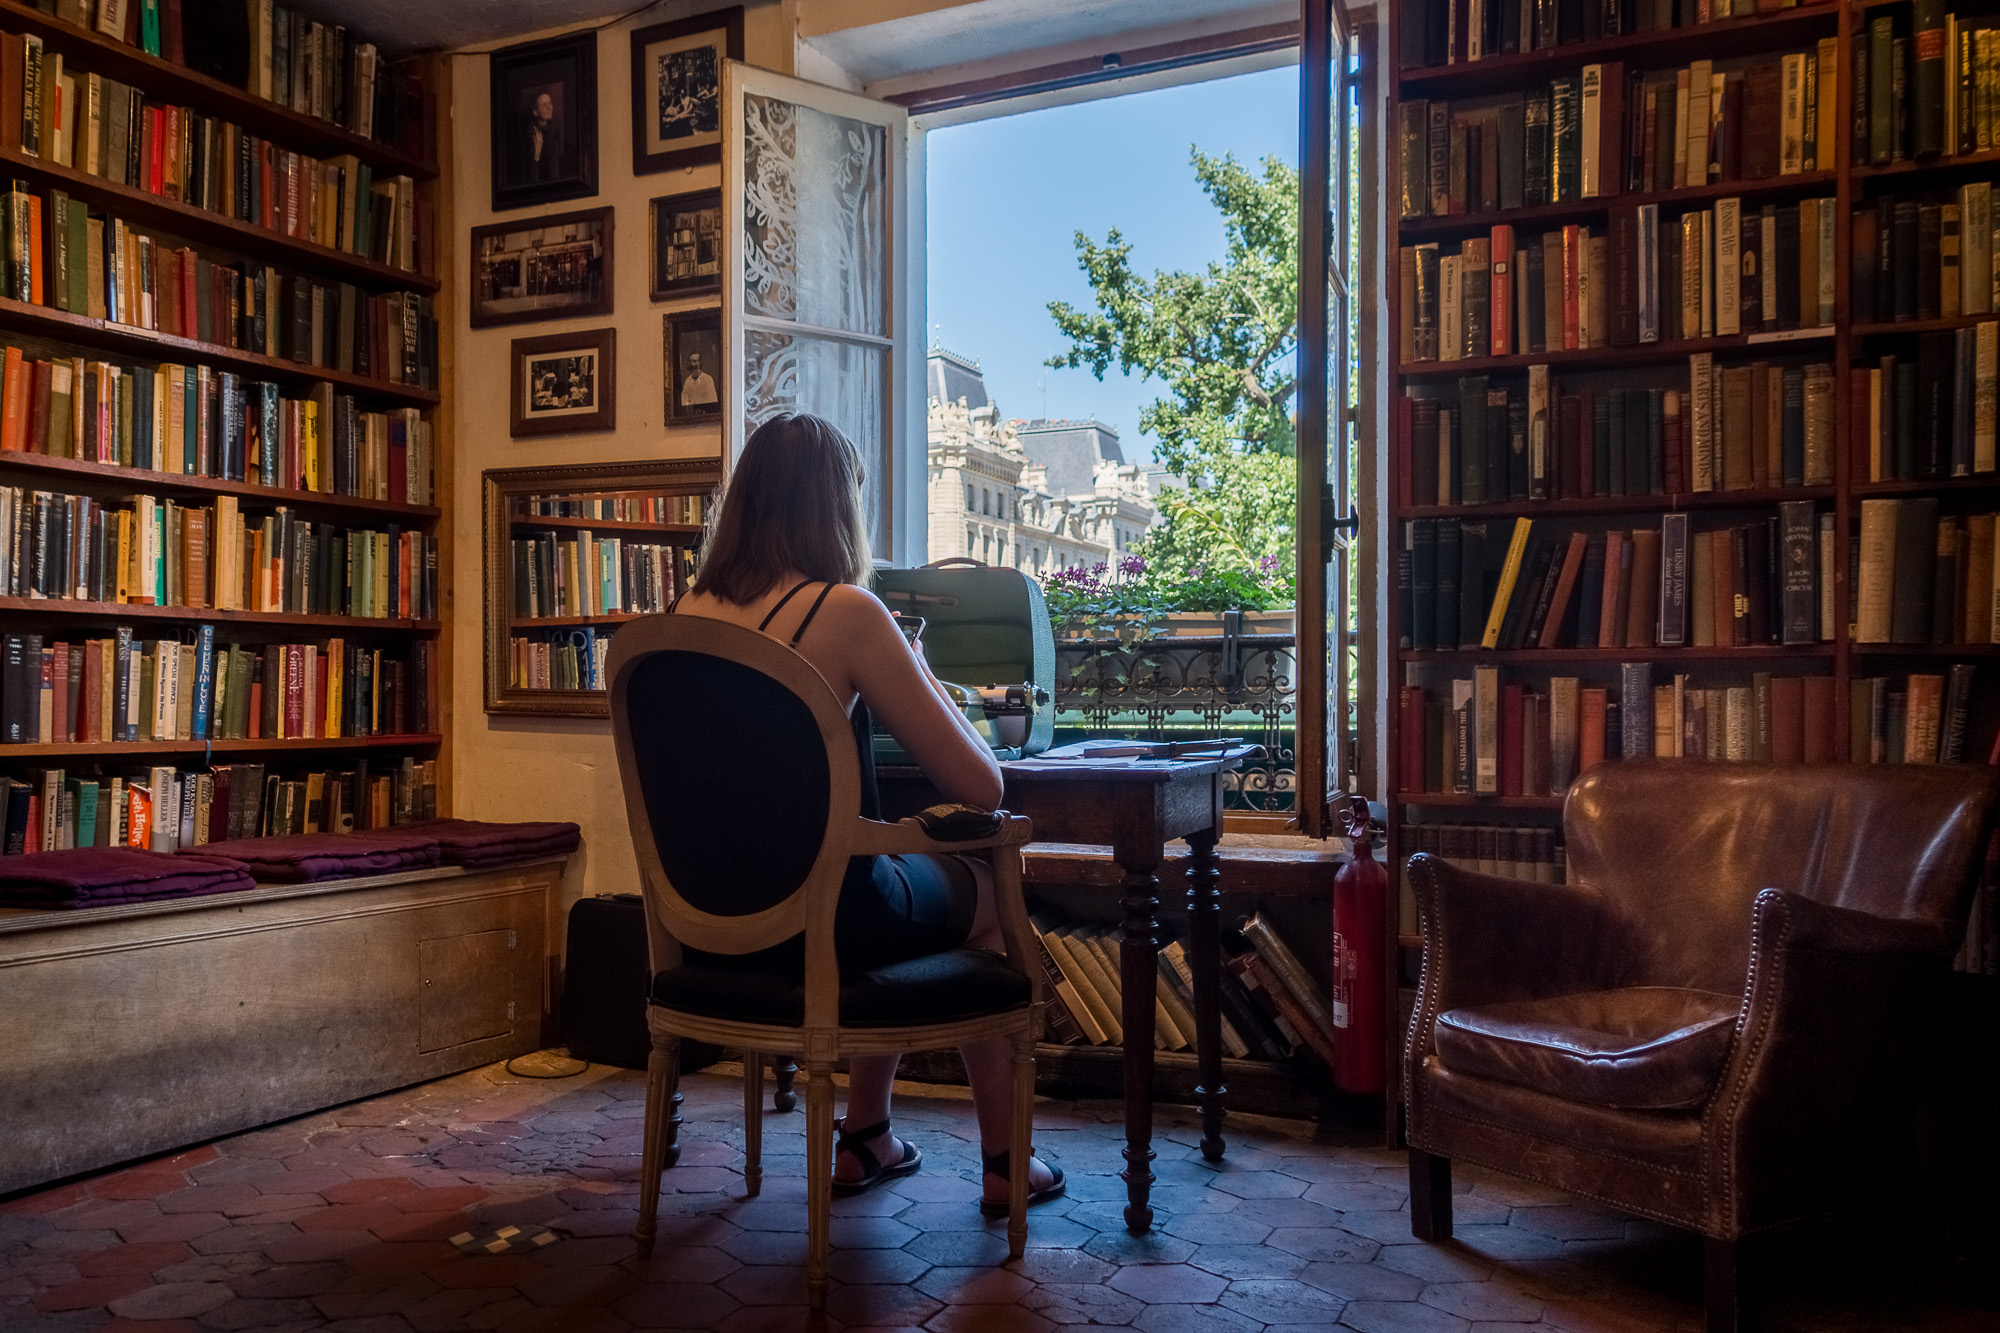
point(905, 697)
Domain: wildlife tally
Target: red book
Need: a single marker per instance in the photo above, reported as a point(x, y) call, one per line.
point(1412, 738)
point(1510, 740)
point(1573, 260)
point(218, 810)
point(1500, 295)
point(1611, 139)
point(256, 726)
point(1673, 431)
point(1572, 566)
point(319, 694)
point(1820, 736)
point(13, 393)
point(58, 679)
point(156, 155)
point(1592, 705)
point(266, 186)
point(87, 696)
point(170, 32)
point(190, 306)
point(295, 690)
point(36, 409)
point(1788, 736)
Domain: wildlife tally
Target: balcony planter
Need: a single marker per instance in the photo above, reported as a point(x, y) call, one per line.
point(1174, 625)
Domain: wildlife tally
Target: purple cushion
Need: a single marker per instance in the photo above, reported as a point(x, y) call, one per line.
point(472, 842)
point(309, 857)
point(95, 876)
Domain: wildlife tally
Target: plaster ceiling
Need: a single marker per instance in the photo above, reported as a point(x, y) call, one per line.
point(400, 26)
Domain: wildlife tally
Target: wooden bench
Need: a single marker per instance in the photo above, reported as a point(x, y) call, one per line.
point(131, 1030)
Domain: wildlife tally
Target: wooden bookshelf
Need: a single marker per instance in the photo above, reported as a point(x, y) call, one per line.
point(570, 622)
point(96, 54)
point(1852, 345)
point(44, 332)
point(595, 526)
point(188, 223)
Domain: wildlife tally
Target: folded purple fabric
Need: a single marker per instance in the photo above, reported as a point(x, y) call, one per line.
point(307, 858)
point(471, 842)
point(93, 876)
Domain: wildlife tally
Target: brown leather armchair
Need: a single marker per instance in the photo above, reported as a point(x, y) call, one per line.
point(1713, 1024)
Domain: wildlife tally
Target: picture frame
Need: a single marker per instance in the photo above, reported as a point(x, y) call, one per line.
point(677, 89)
point(564, 383)
point(693, 369)
point(544, 117)
point(555, 267)
point(686, 249)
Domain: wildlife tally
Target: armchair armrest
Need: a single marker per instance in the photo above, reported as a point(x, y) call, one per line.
point(873, 837)
point(1488, 938)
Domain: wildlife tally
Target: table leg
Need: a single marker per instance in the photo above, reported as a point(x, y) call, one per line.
point(1139, 978)
point(1205, 961)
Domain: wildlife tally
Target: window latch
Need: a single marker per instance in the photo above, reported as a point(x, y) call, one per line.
point(1331, 525)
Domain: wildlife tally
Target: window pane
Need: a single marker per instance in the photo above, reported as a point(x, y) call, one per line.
point(815, 189)
point(840, 381)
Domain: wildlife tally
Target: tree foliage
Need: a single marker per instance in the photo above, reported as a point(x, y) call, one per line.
point(1222, 343)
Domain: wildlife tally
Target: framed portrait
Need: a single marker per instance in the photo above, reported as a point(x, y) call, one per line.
point(694, 376)
point(542, 268)
point(544, 114)
point(565, 383)
point(687, 244)
point(677, 89)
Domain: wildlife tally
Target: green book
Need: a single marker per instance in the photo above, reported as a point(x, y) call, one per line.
point(84, 800)
point(1881, 95)
point(56, 239)
point(124, 423)
point(62, 391)
point(78, 222)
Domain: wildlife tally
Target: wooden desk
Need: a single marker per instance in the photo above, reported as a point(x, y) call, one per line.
point(1135, 807)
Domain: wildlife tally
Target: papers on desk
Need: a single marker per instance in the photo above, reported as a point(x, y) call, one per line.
point(1222, 747)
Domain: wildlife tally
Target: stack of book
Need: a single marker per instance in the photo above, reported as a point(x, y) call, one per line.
point(682, 510)
point(64, 548)
point(122, 689)
point(1926, 85)
point(601, 575)
point(163, 808)
point(1925, 578)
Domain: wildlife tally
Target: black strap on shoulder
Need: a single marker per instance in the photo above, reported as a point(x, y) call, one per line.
point(675, 605)
point(811, 611)
point(772, 614)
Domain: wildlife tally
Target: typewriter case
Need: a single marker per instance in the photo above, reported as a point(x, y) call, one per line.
point(984, 627)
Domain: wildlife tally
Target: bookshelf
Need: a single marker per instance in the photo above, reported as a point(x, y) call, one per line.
point(1787, 457)
point(301, 653)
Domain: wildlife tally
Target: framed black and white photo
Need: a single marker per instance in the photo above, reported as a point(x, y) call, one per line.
point(694, 376)
point(542, 268)
point(544, 114)
point(565, 383)
point(677, 89)
point(687, 244)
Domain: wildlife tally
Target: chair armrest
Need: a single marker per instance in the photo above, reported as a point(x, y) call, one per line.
point(873, 837)
point(1802, 924)
point(1488, 938)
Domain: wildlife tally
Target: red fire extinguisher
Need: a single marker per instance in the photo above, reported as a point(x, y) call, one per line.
point(1360, 915)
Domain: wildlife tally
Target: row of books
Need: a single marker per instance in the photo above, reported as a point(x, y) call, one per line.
point(1926, 84)
point(1924, 256)
point(61, 255)
point(199, 422)
point(1925, 721)
point(1932, 415)
point(101, 127)
point(559, 659)
point(164, 808)
point(269, 50)
point(586, 575)
point(1606, 131)
point(686, 509)
point(1272, 1007)
point(1452, 32)
point(1517, 851)
point(1925, 577)
point(1725, 271)
point(1734, 428)
point(157, 552)
point(124, 689)
point(1767, 581)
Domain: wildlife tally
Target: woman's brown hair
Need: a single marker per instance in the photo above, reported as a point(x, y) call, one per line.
point(793, 504)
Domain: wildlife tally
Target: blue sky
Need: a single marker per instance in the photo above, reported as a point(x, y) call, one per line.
point(1007, 195)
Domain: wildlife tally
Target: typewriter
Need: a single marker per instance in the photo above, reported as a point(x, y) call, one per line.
point(986, 634)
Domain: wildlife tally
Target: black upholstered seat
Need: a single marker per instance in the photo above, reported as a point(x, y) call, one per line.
point(943, 987)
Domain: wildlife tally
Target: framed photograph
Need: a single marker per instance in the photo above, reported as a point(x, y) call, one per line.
point(565, 383)
point(687, 244)
point(544, 115)
point(542, 268)
point(677, 89)
point(694, 376)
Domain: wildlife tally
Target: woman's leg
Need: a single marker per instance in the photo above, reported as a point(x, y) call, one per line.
point(869, 1081)
point(987, 1062)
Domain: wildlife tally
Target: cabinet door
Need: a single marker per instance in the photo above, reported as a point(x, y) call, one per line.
point(816, 190)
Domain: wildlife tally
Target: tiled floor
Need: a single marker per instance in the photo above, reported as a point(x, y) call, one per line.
point(340, 1220)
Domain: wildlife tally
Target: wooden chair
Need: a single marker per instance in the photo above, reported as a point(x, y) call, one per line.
point(742, 787)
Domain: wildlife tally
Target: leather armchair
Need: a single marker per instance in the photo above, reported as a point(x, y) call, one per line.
point(1714, 1023)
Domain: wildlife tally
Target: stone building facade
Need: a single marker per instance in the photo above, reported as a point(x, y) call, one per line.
point(1038, 496)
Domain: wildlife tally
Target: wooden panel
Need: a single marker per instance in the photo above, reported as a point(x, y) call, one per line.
point(459, 1000)
point(134, 1030)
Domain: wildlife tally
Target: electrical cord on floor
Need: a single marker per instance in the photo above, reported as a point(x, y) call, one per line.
point(556, 1065)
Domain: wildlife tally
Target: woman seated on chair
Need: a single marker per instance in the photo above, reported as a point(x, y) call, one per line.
point(788, 556)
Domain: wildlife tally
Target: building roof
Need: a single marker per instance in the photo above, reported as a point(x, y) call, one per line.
point(1071, 449)
point(950, 377)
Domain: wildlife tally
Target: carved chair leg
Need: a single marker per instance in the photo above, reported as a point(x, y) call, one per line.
point(1020, 1142)
point(819, 1176)
point(784, 1070)
point(1722, 1285)
point(753, 1122)
point(663, 1124)
point(1430, 1196)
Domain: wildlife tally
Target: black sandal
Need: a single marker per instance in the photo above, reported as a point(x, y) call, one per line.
point(873, 1172)
point(999, 1164)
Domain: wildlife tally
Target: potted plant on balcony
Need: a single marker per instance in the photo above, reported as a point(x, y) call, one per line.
point(1137, 604)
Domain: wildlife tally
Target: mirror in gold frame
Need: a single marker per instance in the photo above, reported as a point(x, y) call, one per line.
point(571, 553)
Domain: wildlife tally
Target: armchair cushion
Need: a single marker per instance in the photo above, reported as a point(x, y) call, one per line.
point(937, 988)
point(1647, 1048)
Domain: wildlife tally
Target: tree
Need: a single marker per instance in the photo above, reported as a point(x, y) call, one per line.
point(1222, 343)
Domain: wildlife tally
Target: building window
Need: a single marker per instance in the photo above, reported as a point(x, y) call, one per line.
point(971, 543)
point(971, 506)
point(985, 501)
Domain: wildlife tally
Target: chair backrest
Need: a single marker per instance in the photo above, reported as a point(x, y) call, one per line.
point(741, 785)
point(1682, 849)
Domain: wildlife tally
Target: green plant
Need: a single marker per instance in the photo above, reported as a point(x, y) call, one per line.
point(1130, 604)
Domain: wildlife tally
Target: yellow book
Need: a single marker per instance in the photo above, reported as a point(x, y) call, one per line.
point(309, 443)
point(1509, 573)
point(336, 659)
point(380, 593)
point(124, 555)
point(1826, 134)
